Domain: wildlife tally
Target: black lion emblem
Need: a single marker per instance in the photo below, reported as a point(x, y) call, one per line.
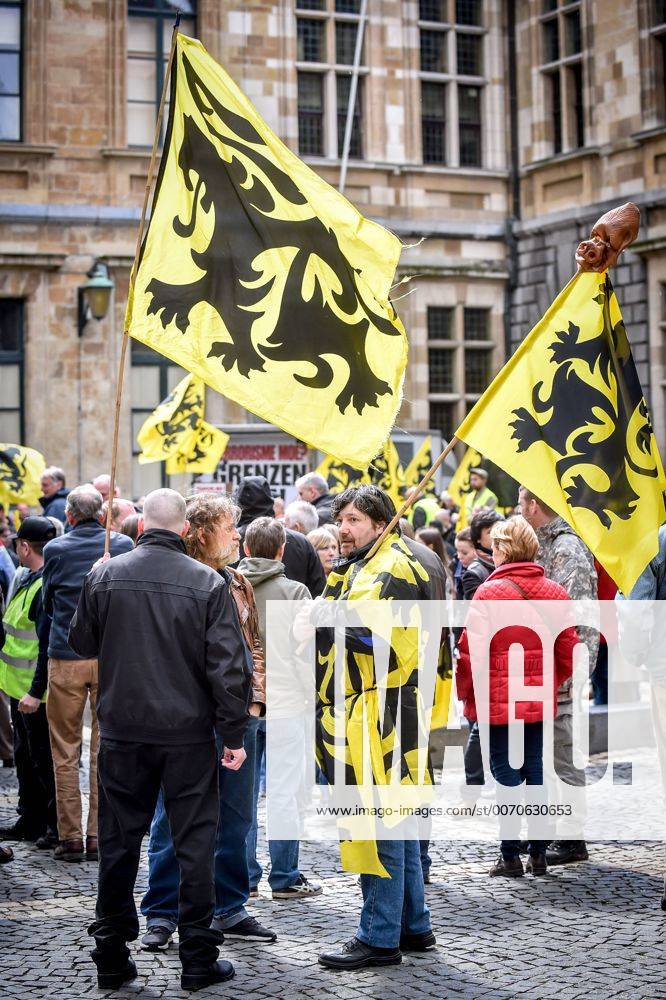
point(13, 469)
point(243, 200)
point(599, 419)
point(187, 415)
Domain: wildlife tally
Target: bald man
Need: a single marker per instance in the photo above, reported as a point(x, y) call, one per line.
point(172, 670)
point(103, 485)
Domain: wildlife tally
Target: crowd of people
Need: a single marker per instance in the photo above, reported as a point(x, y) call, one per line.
point(161, 646)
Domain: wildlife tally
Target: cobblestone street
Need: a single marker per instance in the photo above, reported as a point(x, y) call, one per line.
point(592, 930)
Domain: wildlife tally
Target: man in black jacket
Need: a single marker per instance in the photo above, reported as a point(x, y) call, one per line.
point(300, 560)
point(172, 668)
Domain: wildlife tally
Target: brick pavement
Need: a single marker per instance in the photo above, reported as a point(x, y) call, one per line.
point(593, 930)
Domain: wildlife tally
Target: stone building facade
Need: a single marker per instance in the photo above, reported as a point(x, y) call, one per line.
point(489, 213)
point(591, 134)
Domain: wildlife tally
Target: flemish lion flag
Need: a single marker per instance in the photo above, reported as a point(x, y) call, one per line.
point(459, 484)
point(263, 280)
point(21, 471)
point(339, 476)
point(386, 472)
point(207, 449)
point(419, 465)
point(567, 418)
point(172, 425)
point(176, 432)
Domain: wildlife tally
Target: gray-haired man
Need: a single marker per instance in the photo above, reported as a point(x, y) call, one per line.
point(72, 678)
point(54, 493)
point(313, 488)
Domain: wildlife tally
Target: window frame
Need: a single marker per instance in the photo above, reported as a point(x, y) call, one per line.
point(569, 129)
point(460, 398)
point(16, 358)
point(454, 128)
point(162, 16)
point(330, 70)
point(20, 6)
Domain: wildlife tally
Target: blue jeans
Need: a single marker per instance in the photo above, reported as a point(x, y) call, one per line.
point(599, 676)
point(507, 777)
point(283, 853)
point(160, 903)
point(391, 905)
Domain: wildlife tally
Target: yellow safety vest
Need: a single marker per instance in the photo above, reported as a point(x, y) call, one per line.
point(18, 656)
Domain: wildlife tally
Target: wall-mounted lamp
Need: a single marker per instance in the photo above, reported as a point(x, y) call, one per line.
point(94, 297)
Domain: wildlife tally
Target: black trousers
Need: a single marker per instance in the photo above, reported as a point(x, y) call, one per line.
point(34, 769)
point(129, 777)
point(474, 758)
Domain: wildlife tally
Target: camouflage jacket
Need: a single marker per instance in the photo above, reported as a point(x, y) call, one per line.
point(567, 560)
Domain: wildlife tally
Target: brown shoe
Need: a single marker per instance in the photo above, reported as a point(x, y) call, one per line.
point(6, 854)
point(91, 849)
point(69, 850)
point(508, 867)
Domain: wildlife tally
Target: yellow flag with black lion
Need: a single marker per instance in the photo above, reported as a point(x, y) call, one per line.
point(567, 418)
point(261, 279)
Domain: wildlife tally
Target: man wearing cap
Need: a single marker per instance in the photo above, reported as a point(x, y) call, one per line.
point(23, 676)
point(479, 494)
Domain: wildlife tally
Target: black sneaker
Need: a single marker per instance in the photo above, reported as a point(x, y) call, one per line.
point(509, 867)
point(198, 979)
point(157, 938)
point(357, 955)
point(418, 942)
point(254, 892)
point(249, 928)
point(114, 980)
point(47, 842)
point(19, 831)
point(566, 852)
point(301, 889)
point(536, 865)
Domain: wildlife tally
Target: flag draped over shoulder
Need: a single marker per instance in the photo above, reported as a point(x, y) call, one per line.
point(264, 281)
point(392, 574)
point(176, 432)
point(566, 417)
point(419, 465)
point(21, 471)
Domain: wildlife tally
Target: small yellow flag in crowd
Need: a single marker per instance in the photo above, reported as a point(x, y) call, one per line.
point(21, 471)
point(419, 465)
point(261, 279)
point(205, 452)
point(176, 432)
point(566, 417)
point(385, 471)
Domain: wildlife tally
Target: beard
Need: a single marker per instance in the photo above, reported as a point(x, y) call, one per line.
point(228, 555)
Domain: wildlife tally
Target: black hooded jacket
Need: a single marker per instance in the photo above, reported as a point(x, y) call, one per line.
point(301, 562)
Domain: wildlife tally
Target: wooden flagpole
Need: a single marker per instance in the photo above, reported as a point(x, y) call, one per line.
point(139, 239)
point(413, 497)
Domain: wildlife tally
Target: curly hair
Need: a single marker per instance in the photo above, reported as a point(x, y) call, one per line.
point(203, 511)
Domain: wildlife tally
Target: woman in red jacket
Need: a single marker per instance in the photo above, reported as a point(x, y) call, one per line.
point(516, 577)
